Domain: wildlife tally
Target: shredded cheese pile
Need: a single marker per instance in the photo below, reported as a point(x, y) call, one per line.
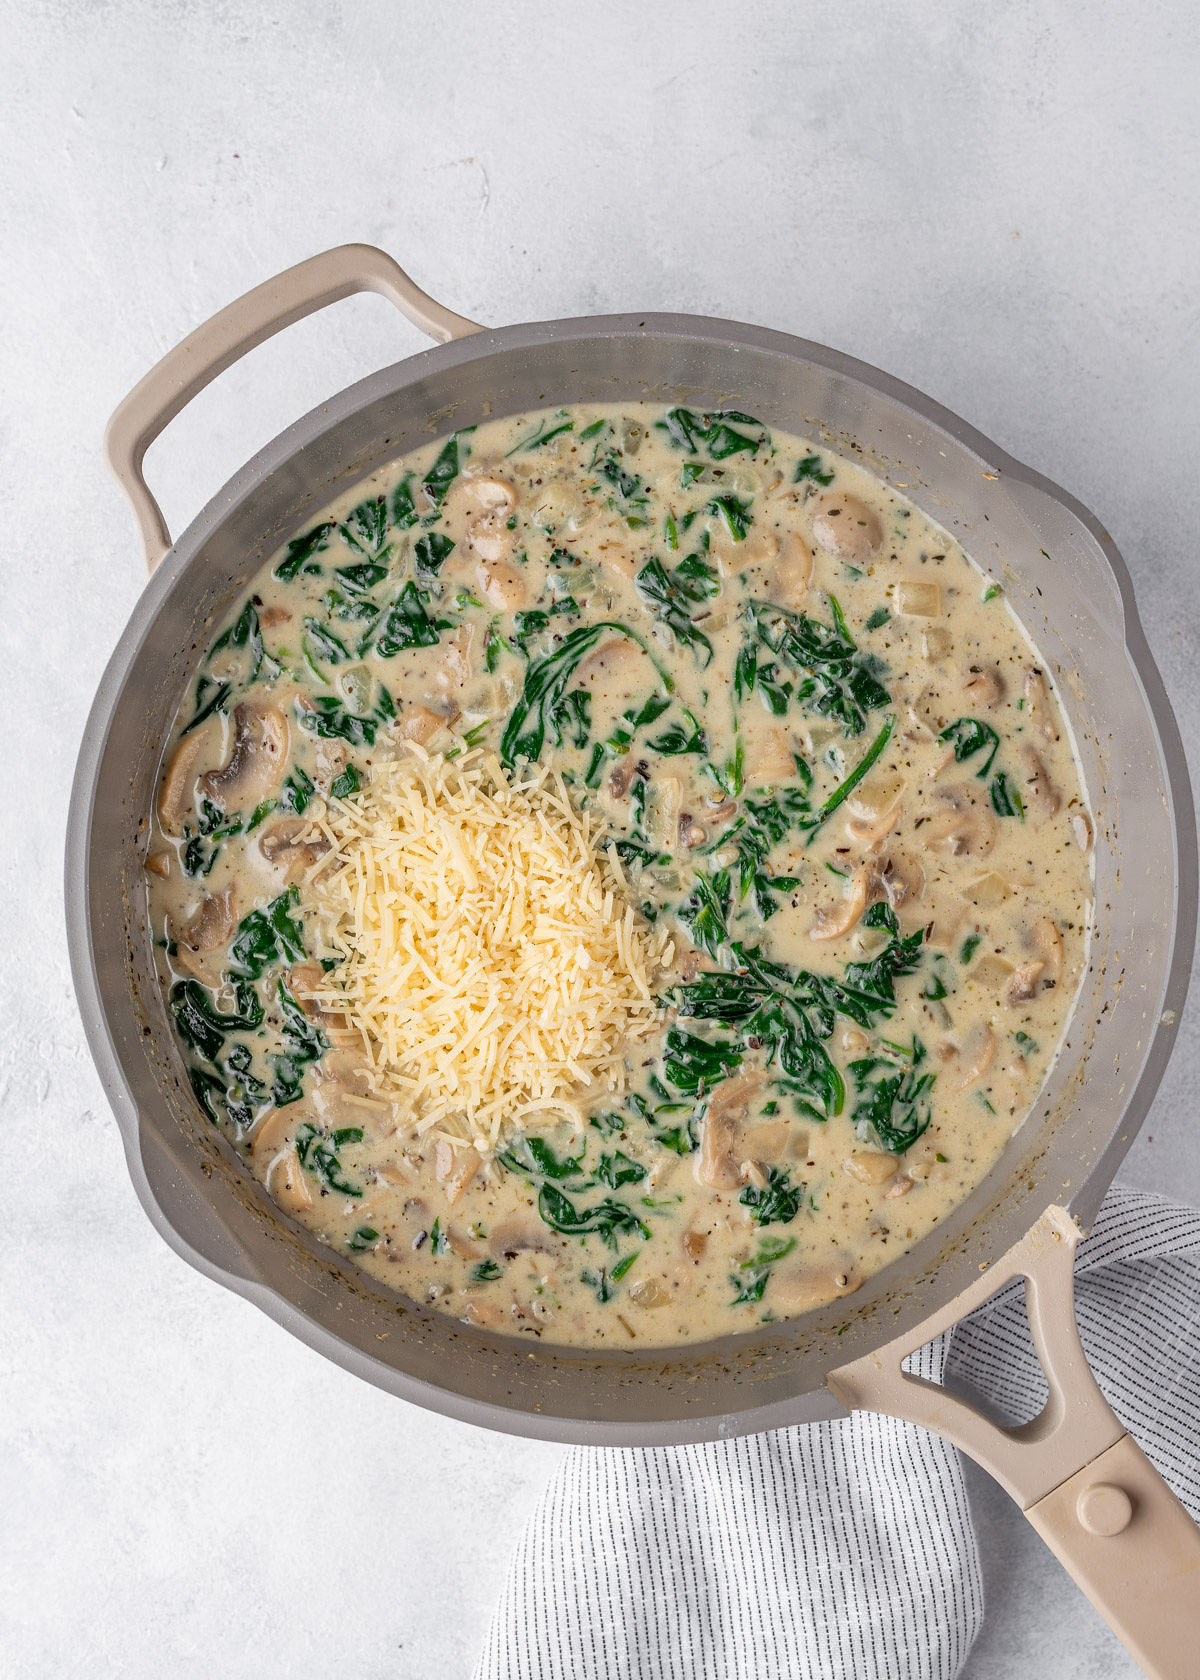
point(485, 949)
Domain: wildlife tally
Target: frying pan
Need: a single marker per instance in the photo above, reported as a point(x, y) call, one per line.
point(1079, 1477)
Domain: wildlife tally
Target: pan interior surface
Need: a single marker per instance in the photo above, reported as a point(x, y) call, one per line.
point(1064, 583)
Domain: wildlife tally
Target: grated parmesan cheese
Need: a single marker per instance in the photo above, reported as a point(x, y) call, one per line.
point(486, 951)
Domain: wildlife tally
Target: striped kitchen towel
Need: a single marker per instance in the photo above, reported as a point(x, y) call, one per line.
point(839, 1551)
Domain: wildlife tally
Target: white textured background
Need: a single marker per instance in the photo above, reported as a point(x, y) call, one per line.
point(997, 203)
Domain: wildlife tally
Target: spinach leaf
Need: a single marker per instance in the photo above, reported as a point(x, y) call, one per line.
point(836, 680)
point(486, 1271)
point(432, 550)
point(763, 824)
point(705, 911)
point(402, 509)
point(305, 1043)
point(205, 1027)
point(714, 433)
point(1006, 800)
point(210, 697)
point(301, 550)
point(537, 710)
point(446, 468)
point(735, 513)
point(678, 739)
point(534, 1156)
point(358, 579)
point(246, 633)
point(329, 719)
point(846, 788)
point(363, 1239)
point(295, 793)
point(621, 739)
point(779, 1203)
point(810, 467)
point(752, 1276)
point(630, 490)
point(321, 643)
point(604, 1219)
point(318, 1155)
point(552, 428)
point(894, 1106)
point(366, 526)
point(267, 936)
point(344, 785)
point(617, 1169)
point(878, 619)
point(669, 595)
point(968, 736)
point(209, 1091)
point(405, 624)
point(867, 991)
point(694, 1065)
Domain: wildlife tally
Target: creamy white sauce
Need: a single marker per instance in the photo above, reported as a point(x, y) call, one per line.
point(747, 1195)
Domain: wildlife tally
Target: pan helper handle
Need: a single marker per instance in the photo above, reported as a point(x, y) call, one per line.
point(243, 325)
point(1084, 1484)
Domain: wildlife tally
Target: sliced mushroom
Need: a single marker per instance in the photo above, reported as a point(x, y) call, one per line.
point(869, 1166)
point(272, 1133)
point(212, 926)
point(902, 879)
point(331, 759)
point(177, 794)
point(1023, 984)
point(305, 981)
point(1046, 941)
point(456, 662)
point(1037, 703)
point(718, 1163)
point(260, 743)
point(793, 572)
point(292, 845)
point(522, 1234)
point(481, 507)
point(287, 1184)
point(833, 923)
point(960, 825)
point(341, 1095)
point(900, 1186)
point(796, 1289)
point(875, 808)
point(759, 548)
point(691, 832)
point(663, 806)
point(456, 1165)
point(269, 617)
point(936, 642)
point(503, 584)
point(159, 863)
point(847, 527)
point(973, 1063)
point(1038, 792)
point(984, 686)
point(694, 1244)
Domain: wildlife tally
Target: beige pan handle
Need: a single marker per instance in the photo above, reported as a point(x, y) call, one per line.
point(251, 320)
point(1084, 1484)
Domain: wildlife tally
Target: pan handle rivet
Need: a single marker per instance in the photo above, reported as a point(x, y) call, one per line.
point(1103, 1508)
